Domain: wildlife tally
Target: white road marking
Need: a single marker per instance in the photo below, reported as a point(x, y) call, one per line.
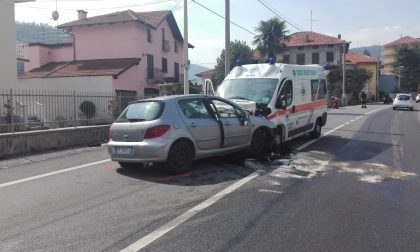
point(143, 242)
point(270, 191)
point(303, 146)
point(52, 173)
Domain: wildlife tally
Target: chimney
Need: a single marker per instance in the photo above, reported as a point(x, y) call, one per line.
point(339, 36)
point(81, 14)
point(307, 38)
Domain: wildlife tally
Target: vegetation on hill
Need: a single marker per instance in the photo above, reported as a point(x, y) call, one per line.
point(40, 33)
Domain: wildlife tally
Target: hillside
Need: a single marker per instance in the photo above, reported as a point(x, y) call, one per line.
point(40, 33)
point(375, 50)
point(195, 69)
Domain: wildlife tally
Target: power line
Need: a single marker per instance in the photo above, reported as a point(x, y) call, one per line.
point(282, 16)
point(217, 14)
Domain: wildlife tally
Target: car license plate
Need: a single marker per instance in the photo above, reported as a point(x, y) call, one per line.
point(123, 150)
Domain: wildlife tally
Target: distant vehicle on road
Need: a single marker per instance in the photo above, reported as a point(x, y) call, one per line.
point(418, 98)
point(179, 129)
point(387, 99)
point(403, 101)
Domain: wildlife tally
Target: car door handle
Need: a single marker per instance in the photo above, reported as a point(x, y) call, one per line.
point(193, 125)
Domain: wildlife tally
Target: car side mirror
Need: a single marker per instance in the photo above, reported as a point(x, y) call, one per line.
point(281, 102)
point(244, 120)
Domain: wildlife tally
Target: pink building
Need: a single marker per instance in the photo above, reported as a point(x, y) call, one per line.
point(138, 49)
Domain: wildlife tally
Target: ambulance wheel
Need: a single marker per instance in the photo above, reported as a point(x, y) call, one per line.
point(316, 133)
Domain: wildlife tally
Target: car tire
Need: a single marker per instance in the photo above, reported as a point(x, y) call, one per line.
point(316, 133)
point(180, 157)
point(259, 143)
point(411, 108)
point(394, 108)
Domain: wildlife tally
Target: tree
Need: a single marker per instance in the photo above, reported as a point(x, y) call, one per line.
point(355, 80)
point(239, 50)
point(409, 61)
point(270, 33)
point(366, 52)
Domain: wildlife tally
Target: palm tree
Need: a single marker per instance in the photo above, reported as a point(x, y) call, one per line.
point(269, 35)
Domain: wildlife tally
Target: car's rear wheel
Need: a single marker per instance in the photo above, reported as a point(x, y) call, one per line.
point(411, 108)
point(180, 157)
point(316, 133)
point(394, 108)
point(259, 143)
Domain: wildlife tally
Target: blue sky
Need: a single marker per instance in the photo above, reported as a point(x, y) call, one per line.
point(363, 23)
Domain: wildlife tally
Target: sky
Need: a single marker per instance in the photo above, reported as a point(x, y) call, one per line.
point(364, 23)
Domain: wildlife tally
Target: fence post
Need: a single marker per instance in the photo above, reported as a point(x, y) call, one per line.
point(74, 108)
point(11, 111)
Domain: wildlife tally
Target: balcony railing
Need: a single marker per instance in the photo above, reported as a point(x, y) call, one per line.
point(21, 50)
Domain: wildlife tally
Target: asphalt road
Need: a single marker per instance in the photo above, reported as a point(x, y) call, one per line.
point(355, 189)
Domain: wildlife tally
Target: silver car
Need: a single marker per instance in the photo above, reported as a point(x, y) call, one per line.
point(178, 129)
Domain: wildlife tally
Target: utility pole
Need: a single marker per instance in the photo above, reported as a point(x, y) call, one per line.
point(186, 61)
point(344, 73)
point(227, 37)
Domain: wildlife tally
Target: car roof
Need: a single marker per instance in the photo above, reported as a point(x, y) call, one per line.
point(174, 97)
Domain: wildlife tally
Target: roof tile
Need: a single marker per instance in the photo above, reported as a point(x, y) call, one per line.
point(97, 67)
point(310, 39)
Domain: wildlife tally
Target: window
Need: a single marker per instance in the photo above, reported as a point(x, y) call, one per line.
point(330, 56)
point(225, 109)
point(149, 36)
point(286, 59)
point(176, 71)
point(151, 92)
point(315, 58)
point(285, 97)
point(142, 111)
point(330, 46)
point(322, 92)
point(315, 47)
point(300, 48)
point(164, 65)
point(300, 59)
point(163, 33)
point(194, 108)
point(150, 67)
point(176, 47)
point(123, 98)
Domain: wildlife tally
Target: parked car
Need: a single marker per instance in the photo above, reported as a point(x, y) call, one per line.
point(418, 98)
point(178, 129)
point(403, 101)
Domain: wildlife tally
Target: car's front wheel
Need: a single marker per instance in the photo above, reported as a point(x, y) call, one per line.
point(180, 157)
point(394, 108)
point(259, 143)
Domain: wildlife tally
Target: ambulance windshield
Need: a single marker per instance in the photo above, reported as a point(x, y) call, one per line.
point(257, 90)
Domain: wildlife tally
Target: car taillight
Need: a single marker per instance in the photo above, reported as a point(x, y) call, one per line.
point(109, 135)
point(156, 131)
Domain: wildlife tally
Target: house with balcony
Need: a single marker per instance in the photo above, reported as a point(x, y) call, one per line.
point(391, 51)
point(305, 48)
point(125, 52)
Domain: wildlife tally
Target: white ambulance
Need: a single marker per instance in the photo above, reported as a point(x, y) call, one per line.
point(294, 97)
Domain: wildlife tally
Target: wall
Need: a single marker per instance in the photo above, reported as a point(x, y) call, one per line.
point(8, 71)
point(308, 50)
point(128, 40)
point(96, 89)
point(372, 67)
point(41, 55)
point(42, 140)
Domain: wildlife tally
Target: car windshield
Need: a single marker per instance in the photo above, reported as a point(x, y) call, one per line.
point(403, 97)
point(258, 90)
point(141, 111)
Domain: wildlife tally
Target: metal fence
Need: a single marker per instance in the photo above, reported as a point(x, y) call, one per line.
point(23, 110)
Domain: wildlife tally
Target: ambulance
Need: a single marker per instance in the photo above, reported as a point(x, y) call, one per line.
point(294, 97)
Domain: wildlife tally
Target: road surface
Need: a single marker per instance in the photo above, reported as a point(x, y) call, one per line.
point(355, 189)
